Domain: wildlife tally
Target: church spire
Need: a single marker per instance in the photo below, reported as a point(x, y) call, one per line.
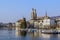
point(46, 14)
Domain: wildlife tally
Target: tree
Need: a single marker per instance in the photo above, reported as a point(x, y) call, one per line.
point(23, 23)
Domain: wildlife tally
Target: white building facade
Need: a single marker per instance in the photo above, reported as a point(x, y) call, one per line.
point(49, 23)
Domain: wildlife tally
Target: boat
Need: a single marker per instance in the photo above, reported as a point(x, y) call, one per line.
point(50, 31)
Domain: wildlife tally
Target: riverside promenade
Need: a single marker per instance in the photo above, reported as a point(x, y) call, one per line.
point(30, 30)
point(50, 31)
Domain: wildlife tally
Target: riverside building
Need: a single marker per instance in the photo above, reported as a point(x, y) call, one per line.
point(41, 22)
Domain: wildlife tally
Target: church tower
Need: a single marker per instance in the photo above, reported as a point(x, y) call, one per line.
point(46, 16)
point(34, 14)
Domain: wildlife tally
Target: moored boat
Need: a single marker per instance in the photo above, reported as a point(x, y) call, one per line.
point(50, 31)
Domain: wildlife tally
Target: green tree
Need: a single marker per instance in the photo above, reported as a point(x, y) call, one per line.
point(23, 24)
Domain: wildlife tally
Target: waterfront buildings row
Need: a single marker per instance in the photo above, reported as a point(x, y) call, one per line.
point(40, 22)
point(7, 25)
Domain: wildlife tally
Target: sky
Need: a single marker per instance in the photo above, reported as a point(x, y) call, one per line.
point(13, 10)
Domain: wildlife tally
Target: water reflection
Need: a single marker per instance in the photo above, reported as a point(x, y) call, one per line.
point(45, 35)
point(21, 33)
point(54, 37)
point(36, 36)
point(33, 34)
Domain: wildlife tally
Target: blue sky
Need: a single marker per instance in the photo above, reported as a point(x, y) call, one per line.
point(13, 10)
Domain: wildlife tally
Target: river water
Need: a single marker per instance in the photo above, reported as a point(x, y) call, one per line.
point(18, 35)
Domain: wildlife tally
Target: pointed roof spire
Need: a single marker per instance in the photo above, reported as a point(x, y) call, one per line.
point(46, 14)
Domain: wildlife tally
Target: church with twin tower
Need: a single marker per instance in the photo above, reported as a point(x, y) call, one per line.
point(33, 14)
point(44, 22)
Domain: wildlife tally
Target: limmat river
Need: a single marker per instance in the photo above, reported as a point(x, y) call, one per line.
point(19, 35)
